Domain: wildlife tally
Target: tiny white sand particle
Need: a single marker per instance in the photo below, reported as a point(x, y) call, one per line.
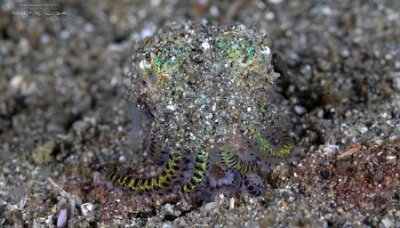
point(86, 208)
point(210, 206)
point(300, 110)
point(275, 1)
point(171, 107)
point(205, 45)
point(16, 81)
point(232, 204)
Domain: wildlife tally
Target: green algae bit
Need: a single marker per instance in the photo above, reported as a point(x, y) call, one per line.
point(204, 90)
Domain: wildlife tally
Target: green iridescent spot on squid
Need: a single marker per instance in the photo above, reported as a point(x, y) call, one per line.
point(158, 61)
point(237, 49)
point(198, 100)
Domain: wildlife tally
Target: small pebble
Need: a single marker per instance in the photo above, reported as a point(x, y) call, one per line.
point(387, 222)
point(231, 204)
point(378, 175)
point(62, 218)
point(16, 81)
point(86, 208)
point(324, 174)
point(210, 206)
point(275, 1)
point(46, 152)
point(300, 110)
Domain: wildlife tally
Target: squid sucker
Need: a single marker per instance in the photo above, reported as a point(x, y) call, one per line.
point(198, 94)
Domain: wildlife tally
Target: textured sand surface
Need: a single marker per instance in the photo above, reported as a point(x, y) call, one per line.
point(62, 109)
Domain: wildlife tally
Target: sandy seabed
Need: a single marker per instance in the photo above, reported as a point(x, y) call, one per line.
point(62, 67)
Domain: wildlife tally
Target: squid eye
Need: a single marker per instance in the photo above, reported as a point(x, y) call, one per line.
point(280, 66)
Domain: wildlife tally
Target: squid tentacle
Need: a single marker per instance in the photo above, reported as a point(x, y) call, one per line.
point(164, 180)
point(199, 173)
